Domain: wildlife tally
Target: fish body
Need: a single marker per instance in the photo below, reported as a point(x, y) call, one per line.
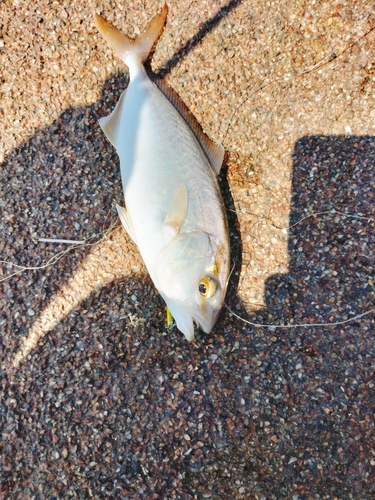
point(174, 209)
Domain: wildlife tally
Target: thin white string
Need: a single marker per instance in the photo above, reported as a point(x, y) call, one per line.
point(77, 244)
point(59, 255)
point(335, 323)
point(56, 240)
point(332, 211)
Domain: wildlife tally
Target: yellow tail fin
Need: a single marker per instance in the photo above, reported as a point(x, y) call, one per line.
point(127, 49)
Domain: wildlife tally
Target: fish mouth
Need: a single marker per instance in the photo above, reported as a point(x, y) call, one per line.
point(206, 321)
point(185, 319)
point(184, 322)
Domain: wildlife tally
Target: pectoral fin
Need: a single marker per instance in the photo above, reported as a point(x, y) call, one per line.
point(177, 210)
point(126, 221)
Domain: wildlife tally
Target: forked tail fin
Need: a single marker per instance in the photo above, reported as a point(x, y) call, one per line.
point(132, 52)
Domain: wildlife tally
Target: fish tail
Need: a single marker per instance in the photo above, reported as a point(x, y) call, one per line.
point(128, 50)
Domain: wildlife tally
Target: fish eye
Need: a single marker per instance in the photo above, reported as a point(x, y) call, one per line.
point(207, 287)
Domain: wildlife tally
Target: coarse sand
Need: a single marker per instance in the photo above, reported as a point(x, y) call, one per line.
point(98, 398)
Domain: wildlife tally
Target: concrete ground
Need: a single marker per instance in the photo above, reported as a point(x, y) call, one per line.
point(99, 399)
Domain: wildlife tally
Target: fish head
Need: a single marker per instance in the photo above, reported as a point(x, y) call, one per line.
point(191, 274)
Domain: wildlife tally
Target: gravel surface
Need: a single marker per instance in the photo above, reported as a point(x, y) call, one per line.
point(98, 398)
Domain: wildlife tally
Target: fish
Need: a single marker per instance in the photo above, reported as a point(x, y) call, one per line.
point(174, 210)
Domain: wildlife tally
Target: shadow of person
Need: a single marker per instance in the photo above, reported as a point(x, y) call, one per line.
point(318, 381)
point(62, 183)
point(331, 257)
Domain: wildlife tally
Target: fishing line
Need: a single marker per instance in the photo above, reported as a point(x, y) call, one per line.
point(265, 325)
point(112, 227)
point(326, 60)
point(334, 323)
point(59, 255)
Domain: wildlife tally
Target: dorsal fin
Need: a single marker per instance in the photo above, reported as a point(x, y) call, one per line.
point(213, 150)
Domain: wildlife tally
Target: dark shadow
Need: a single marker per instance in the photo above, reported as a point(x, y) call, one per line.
point(61, 183)
point(317, 379)
point(204, 30)
point(124, 406)
point(332, 260)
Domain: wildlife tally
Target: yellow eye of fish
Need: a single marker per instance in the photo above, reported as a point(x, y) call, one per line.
point(207, 287)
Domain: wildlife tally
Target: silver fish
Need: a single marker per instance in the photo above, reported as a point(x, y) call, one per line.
point(174, 209)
